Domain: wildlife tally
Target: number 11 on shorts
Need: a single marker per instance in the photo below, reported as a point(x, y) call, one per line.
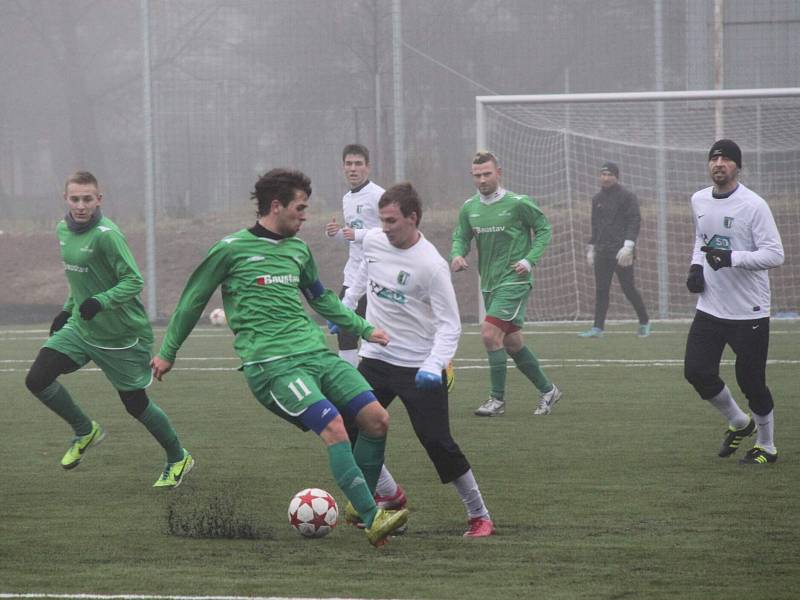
point(299, 389)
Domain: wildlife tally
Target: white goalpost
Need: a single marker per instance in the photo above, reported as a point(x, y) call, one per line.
point(551, 147)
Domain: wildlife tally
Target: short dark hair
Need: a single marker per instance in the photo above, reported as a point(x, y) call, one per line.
point(281, 185)
point(484, 156)
point(406, 198)
point(81, 178)
point(357, 149)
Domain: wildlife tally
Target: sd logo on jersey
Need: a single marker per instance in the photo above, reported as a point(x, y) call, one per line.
point(718, 242)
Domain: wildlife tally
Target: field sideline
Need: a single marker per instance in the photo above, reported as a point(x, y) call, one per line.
point(618, 493)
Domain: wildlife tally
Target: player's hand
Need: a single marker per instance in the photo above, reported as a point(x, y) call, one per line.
point(523, 267)
point(717, 258)
point(349, 234)
point(590, 254)
point(695, 282)
point(378, 336)
point(332, 228)
point(333, 327)
point(459, 263)
point(60, 320)
point(625, 256)
point(160, 367)
point(425, 380)
point(89, 308)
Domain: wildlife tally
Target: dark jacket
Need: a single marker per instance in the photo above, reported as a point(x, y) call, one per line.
point(615, 218)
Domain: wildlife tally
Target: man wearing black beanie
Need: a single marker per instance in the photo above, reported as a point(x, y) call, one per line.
point(615, 227)
point(727, 149)
point(736, 243)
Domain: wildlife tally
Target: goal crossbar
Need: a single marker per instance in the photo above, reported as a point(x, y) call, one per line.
point(641, 96)
point(551, 145)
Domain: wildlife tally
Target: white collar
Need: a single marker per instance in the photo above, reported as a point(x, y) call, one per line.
point(494, 197)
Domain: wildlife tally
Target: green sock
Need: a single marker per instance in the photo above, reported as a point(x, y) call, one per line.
point(160, 427)
point(529, 365)
point(56, 397)
point(351, 480)
point(368, 454)
point(497, 372)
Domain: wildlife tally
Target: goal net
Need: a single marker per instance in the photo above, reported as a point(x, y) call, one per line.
point(551, 148)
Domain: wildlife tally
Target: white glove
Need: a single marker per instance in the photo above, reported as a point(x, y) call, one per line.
point(590, 254)
point(625, 254)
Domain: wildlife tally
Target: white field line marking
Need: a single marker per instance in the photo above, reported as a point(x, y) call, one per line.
point(37, 334)
point(550, 362)
point(159, 597)
point(42, 335)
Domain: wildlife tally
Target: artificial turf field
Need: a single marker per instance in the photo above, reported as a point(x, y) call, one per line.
point(619, 493)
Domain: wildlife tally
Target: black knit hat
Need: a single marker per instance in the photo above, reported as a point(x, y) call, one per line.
point(611, 168)
point(727, 149)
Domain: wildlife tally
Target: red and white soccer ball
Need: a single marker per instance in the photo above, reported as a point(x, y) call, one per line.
point(217, 317)
point(313, 512)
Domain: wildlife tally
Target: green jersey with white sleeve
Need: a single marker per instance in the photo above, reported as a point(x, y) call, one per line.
point(501, 226)
point(261, 276)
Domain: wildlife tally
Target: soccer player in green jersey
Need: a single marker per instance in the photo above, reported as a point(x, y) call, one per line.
point(501, 222)
point(285, 358)
point(103, 321)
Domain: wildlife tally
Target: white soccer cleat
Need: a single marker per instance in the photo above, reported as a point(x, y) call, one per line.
point(547, 401)
point(493, 407)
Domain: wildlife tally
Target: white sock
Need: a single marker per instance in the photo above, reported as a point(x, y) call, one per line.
point(386, 486)
point(725, 404)
point(764, 435)
point(350, 356)
point(470, 494)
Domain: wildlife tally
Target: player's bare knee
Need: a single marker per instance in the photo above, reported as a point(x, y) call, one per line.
point(373, 420)
point(334, 432)
point(491, 337)
point(378, 426)
point(513, 343)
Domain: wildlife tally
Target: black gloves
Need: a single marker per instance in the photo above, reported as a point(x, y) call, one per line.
point(696, 282)
point(717, 258)
point(89, 308)
point(60, 320)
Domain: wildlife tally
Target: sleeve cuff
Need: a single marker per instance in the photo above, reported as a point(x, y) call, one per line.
point(432, 365)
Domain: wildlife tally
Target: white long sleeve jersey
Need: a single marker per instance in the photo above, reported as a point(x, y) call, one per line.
point(742, 223)
point(360, 214)
point(411, 297)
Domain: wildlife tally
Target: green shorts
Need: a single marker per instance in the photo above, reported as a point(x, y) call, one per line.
point(507, 303)
point(288, 386)
point(127, 369)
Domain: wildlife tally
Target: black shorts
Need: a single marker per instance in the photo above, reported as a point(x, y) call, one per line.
point(427, 410)
point(749, 340)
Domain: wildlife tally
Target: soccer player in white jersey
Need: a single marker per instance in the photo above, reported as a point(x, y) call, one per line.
point(411, 297)
point(737, 242)
point(360, 210)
